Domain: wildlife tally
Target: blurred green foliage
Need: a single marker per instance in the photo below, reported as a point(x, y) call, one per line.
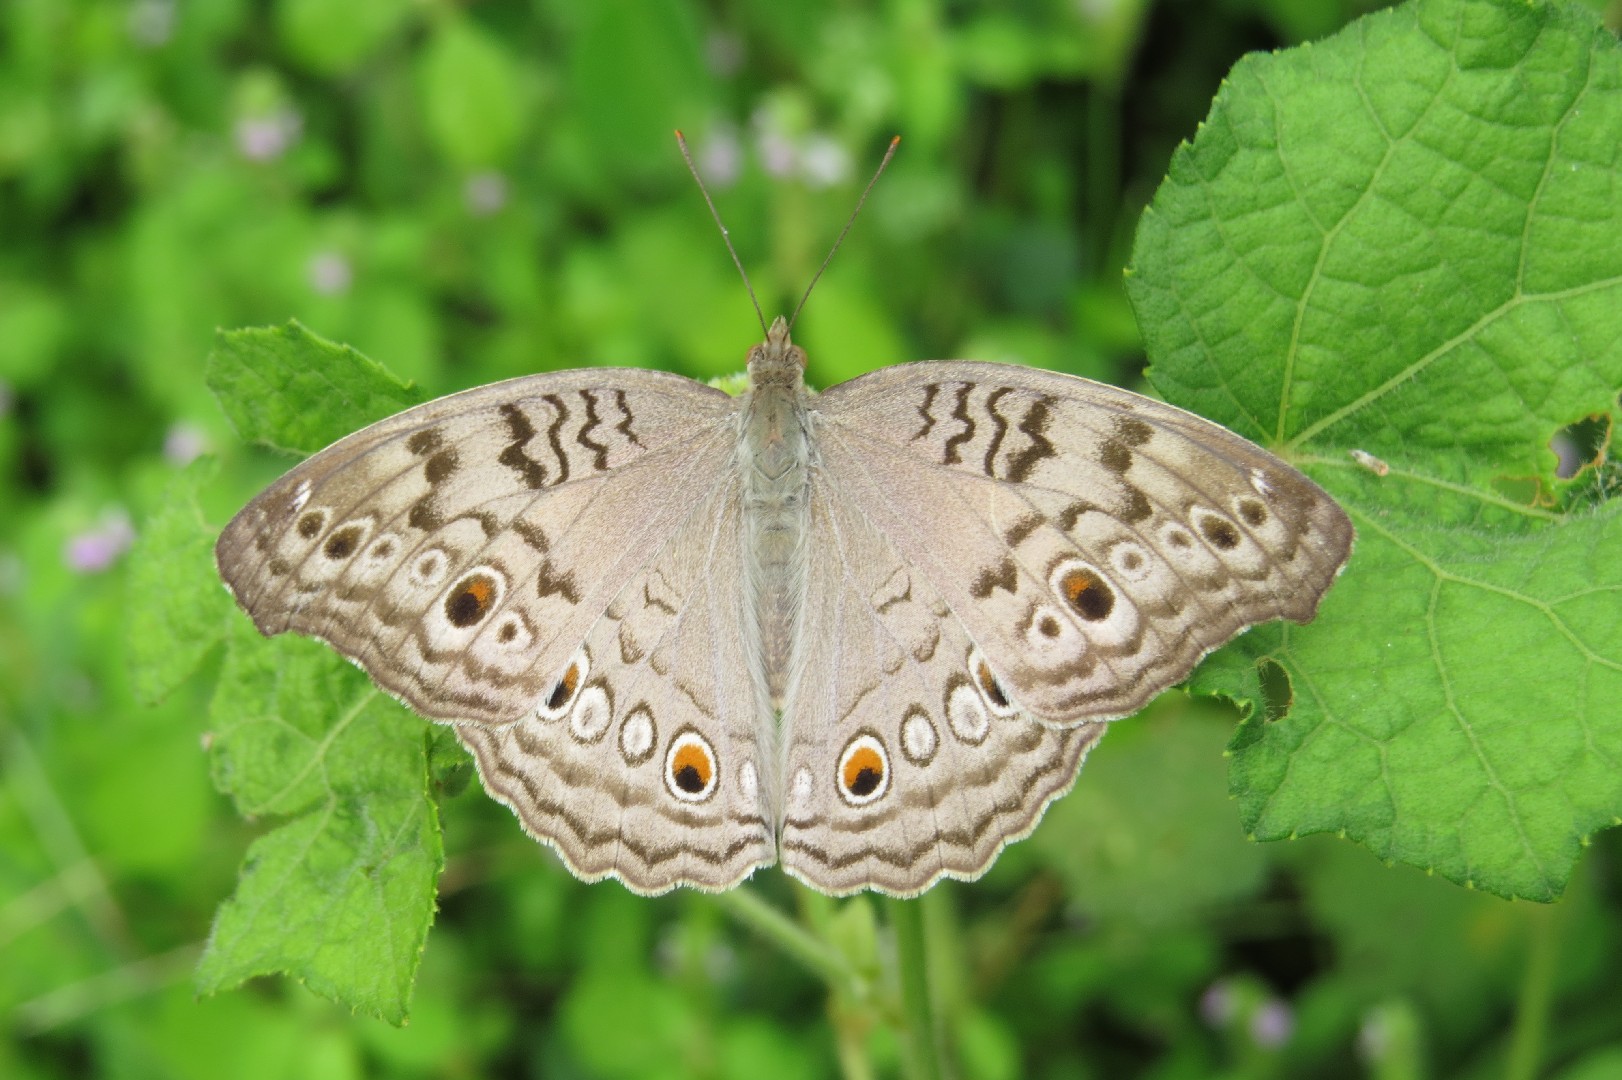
point(470, 192)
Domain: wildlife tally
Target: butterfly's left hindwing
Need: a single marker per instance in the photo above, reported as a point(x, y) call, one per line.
point(903, 760)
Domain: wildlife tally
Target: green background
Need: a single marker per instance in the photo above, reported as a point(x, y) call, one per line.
point(471, 192)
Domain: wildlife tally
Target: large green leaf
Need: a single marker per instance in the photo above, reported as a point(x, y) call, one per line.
point(1393, 257)
point(340, 893)
point(287, 388)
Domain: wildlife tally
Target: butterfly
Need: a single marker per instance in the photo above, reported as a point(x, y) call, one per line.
point(868, 633)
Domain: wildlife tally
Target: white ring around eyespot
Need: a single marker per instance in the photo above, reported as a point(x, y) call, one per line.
point(592, 714)
point(1123, 553)
point(522, 635)
point(638, 734)
point(499, 594)
point(366, 523)
point(801, 790)
point(966, 714)
point(918, 739)
point(429, 568)
point(373, 555)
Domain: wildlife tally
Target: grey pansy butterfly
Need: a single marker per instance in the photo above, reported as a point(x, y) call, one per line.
point(870, 633)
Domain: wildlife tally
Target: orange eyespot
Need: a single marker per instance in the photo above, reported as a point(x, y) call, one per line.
point(564, 690)
point(562, 697)
point(470, 601)
point(864, 770)
point(690, 767)
point(1086, 593)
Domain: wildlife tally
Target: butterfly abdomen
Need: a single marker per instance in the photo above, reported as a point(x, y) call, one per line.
point(775, 452)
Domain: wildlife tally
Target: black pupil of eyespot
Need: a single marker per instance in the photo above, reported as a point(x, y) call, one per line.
point(688, 780)
point(465, 607)
point(560, 694)
point(866, 782)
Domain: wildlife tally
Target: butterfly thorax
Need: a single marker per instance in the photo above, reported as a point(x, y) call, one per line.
point(775, 453)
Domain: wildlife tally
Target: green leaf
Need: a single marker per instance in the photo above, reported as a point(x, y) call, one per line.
point(471, 100)
point(293, 390)
point(340, 896)
point(176, 611)
point(1392, 257)
point(636, 72)
point(1160, 859)
point(335, 38)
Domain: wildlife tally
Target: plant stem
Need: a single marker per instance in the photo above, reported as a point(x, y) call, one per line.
point(818, 957)
point(1537, 994)
point(923, 1055)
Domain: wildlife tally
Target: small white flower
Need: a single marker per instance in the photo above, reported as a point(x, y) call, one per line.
point(823, 162)
point(183, 443)
point(485, 194)
point(1217, 1005)
point(267, 137)
point(329, 273)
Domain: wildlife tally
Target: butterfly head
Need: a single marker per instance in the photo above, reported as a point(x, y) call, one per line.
point(777, 361)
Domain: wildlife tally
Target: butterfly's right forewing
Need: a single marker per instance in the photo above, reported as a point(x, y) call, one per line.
point(461, 550)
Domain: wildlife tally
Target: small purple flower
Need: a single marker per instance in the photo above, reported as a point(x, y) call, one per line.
point(1217, 1004)
point(823, 162)
point(267, 136)
point(329, 273)
point(183, 443)
point(1271, 1024)
point(96, 549)
point(485, 194)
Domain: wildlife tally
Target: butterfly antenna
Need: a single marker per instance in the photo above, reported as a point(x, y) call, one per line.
point(726, 237)
point(888, 154)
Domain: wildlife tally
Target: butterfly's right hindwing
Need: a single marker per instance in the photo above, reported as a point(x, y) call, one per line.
point(648, 763)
